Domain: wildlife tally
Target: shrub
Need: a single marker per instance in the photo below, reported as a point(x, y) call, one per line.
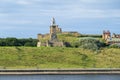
point(89, 43)
point(114, 46)
point(91, 46)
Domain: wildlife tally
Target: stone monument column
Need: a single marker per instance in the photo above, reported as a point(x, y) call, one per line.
point(53, 34)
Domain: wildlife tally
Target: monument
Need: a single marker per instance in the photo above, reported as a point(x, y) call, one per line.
point(53, 40)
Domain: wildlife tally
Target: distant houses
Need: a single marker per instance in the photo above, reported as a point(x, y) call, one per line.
point(111, 39)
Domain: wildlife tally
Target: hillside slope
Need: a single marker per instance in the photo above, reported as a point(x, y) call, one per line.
point(58, 57)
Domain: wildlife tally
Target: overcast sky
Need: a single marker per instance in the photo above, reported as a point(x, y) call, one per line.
point(27, 18)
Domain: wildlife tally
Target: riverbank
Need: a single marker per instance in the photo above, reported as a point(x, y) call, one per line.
point(61, 72)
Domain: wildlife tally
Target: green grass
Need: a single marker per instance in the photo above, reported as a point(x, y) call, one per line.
point(58, 57)
point(67, 38)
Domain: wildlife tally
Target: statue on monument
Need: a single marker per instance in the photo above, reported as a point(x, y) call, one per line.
point(53, 21)
point(53, 30)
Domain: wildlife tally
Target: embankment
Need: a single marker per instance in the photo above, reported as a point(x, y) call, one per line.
point(60, 72)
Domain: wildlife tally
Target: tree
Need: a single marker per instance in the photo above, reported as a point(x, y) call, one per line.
point(11, 42)
point(18, 42)
point(2, 42)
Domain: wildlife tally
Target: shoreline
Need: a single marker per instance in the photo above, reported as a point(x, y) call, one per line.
point(60, 72)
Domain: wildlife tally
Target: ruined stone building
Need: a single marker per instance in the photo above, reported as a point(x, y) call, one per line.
point(51, 38)
point(111, 39)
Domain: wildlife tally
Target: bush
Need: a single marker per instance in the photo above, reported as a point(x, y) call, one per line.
point(91, 46)
point(114, 46)
point(89, 43)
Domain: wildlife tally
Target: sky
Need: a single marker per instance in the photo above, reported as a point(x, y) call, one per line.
point(27, 18)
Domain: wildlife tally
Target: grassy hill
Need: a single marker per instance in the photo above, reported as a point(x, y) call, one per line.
point(58, 57)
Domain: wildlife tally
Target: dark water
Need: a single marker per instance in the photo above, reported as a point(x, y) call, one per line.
point(59, 77)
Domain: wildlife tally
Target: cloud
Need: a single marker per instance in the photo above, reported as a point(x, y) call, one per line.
point(68, 8)
point(92, 13)
point(23, 2)
point(31, 13)
point(3, 14)
point(80, 13)
point(8, 27)
point(99, 1)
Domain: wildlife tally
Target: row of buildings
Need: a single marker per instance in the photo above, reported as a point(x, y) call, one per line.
point(111, 38)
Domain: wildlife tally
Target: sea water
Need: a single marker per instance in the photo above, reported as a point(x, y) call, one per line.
point(59, 77)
